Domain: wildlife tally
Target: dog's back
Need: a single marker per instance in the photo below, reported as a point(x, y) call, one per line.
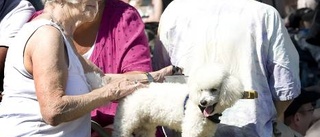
point(156, 104)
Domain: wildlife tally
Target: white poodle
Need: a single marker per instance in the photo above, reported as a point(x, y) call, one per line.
point(193, 108)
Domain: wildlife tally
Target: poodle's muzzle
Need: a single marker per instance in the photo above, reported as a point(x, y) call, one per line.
point(208, 112)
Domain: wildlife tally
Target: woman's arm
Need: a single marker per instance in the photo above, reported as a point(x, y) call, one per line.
point(137, 76)
point(50, 77)
point(142, 77)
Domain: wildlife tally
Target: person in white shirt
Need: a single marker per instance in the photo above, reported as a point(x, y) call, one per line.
point(49, 88)
point(13, 14)
point(250, 39)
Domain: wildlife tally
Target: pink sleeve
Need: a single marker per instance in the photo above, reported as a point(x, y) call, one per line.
point(137, 52)
point(121, 45)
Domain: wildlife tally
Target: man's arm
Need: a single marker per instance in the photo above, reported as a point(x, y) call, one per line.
point(281, 106)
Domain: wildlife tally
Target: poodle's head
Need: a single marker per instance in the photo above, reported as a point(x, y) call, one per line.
point(213, 89)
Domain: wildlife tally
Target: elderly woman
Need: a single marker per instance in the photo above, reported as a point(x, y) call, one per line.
point(115, 41)
point(46, 91)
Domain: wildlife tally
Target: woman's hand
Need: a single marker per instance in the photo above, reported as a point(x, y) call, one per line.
point(119, 87)
point(159, 75)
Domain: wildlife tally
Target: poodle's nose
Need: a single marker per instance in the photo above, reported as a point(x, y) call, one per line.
point(203, 102)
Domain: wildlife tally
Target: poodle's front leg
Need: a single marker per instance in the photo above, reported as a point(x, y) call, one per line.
point(194, 124)
point(197, 127)
point(191, 128)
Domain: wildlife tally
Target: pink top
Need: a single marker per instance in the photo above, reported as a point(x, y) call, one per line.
point(121, 46)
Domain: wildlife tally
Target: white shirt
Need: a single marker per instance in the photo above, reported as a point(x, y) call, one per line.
point(14, 14)
point(250, 39)
point(88, 54)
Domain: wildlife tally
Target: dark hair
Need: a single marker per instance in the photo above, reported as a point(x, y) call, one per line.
point(304, 98)
point(303, 14)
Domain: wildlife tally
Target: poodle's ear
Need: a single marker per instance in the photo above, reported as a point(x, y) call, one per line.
point(231, 90)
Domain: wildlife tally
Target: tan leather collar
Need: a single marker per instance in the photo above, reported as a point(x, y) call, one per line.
point(250, 94)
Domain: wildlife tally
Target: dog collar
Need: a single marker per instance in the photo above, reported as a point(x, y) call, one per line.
point(250, 94)
point(215, 118)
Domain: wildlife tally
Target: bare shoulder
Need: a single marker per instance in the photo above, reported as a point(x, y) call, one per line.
point(47, 33)
point(45, 43)
point(46, 39)
point(46, 36)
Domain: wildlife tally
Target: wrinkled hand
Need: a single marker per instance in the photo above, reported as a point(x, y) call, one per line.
point(120, 87)
point(158, 76)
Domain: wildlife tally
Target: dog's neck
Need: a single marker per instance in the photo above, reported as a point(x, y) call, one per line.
point(215, 118)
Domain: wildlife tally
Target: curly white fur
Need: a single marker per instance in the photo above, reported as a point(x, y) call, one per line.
point(162, 104)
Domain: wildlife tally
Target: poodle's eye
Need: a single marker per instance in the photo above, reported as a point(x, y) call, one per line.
point(213, 90)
